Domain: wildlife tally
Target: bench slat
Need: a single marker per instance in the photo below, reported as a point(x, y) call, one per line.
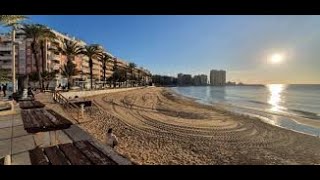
point(95, 156)
point(37, 157)
point(55, 156)
point(74, 155)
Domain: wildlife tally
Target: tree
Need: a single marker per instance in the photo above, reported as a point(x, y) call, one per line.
point(105, 58)
point(4, 75)
point(36, 32)
point(69, 49)
point(93, 51)
point(68, 70)
point(115, 69)
point(48, 76)
point(131, 67)
point(10, 20)
point(139, 76)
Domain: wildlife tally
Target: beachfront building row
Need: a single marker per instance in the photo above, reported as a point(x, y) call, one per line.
point(50, 61)
point(217, 77)
point(188, 80)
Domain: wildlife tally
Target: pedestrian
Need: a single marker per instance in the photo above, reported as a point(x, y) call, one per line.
point(111, 139)
point(4, 89)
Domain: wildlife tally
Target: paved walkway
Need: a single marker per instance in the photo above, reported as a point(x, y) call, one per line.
point(15, 141)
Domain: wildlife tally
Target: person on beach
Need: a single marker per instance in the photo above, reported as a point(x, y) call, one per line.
point(4, 89)
point(111, 139)
point(30, 93)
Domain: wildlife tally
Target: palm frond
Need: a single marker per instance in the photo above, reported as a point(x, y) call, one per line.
point(9, 20)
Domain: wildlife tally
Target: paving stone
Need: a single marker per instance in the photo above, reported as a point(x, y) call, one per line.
point(21, 159)
point(62, 138)
point(42, 139)
point(5, 133)
point(5, 147)
point(19, 131)
point(6, 123)
point(17, 121)
point(23, 143)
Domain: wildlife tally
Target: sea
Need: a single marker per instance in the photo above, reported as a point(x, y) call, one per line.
point(282, 105)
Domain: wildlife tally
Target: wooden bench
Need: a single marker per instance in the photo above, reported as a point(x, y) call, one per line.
point(41, 120)
point(31, 104)
point(77, 153)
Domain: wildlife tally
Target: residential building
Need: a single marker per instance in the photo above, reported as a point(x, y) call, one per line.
point(217, 77)
point(200, 80)
point(50, 61)
point(184, 79)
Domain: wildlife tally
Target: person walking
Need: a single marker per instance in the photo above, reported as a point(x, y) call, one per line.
point(4, 89)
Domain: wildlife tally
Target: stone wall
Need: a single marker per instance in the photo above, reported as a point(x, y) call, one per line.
point(80, 94)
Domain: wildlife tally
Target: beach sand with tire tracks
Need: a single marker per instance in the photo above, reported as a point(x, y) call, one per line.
point(156, 126)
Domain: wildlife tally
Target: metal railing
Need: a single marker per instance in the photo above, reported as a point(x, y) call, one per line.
point(75, 111)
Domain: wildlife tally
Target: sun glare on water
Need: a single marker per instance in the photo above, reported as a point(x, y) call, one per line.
point(275, 96)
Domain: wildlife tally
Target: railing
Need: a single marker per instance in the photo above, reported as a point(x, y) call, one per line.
point(76, 112)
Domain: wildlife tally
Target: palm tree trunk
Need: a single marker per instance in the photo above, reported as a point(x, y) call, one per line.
point(104, 75)
point(43, 60)
point(69, 83)
point(91, 75)
point(35, 55)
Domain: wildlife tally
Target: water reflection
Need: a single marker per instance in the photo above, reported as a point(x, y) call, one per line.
point(275, 96)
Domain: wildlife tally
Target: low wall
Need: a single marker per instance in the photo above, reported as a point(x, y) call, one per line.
point(80, 94)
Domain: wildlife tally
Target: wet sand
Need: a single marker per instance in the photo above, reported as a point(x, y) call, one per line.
point(154, 126)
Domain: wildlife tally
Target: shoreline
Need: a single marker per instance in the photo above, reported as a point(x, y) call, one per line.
point(307, 122)
point(154, 126)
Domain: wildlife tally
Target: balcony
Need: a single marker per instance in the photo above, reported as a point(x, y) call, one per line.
point(4, 58)
point(6, 66)
point(5, 48)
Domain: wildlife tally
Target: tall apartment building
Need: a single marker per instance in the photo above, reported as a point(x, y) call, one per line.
point(184, 79)
point(200, 80)
point(50, 61)
point(6, 53)
point(217, 77)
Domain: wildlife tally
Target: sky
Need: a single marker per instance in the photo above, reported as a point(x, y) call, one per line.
point(241, 45)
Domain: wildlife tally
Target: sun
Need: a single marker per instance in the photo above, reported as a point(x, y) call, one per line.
point(276, 58)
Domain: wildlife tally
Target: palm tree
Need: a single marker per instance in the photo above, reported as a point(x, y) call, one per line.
point(69, 49)
point(93, 51)
point(105, 58)
point(131, 67)
point(139, 76)
point(48, 76)
point(68, 70)
point(36, 32)
point(4, 75)
point(115, 70)
point(12, 21)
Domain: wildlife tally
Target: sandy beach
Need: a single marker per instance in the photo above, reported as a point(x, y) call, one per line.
point(155, 126)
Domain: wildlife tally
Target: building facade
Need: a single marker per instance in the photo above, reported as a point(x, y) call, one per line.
point(50, 61)
point(200, 80)
point(184, 79)
point(217, 77)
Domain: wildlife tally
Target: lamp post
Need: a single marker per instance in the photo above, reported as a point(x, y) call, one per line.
point(13, 59)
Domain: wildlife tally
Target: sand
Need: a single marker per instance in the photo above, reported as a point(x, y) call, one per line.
point(156, 127)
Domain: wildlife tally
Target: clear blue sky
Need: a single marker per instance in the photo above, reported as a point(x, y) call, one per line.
point(241, 45)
